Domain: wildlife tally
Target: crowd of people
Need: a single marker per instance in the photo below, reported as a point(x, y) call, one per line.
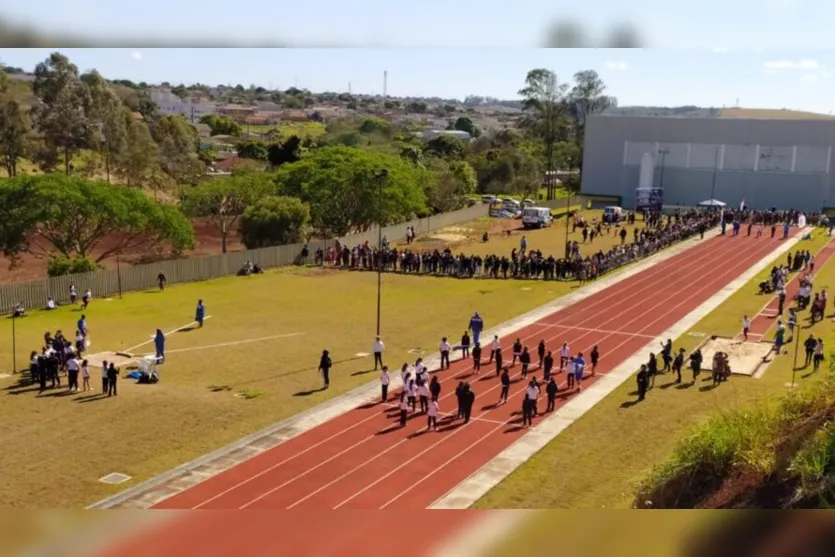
point(527, 262)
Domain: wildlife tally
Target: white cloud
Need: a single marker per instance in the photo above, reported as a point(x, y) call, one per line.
point(136, 55)
point(617, 66)
point(802, 64)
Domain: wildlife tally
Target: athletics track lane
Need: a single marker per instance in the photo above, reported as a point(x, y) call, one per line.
point(359, 461)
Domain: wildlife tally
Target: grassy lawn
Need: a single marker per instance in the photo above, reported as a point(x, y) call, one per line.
point(56, 446)
point(301, 129)
point(595, 462)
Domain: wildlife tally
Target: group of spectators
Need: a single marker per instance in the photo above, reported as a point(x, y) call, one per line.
point(526, 263)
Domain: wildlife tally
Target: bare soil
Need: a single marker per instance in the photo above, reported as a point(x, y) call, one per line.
point(206, 238)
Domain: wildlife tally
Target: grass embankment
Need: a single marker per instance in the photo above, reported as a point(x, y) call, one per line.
point(302, 129)
point(56, 446)
point(597, 462)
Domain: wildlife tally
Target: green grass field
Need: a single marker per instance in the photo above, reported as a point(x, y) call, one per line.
point(56, 446)
point(301, 129)
point(596, 461)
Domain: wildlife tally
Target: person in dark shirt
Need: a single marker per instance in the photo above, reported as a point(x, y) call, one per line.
point(643, 382)
point(434, 388)
point(325, 365)
point(525, 360)
point(678, 363)
point(459, 396)
point(696, 363)
point(517, 351)
point(652, 369)
point(505, 380)
point(551, 390)
point(667, 354)
point(112, 378)
point(467, 400)
point(540, 351)
point(465, 345)
point(548, 366)
point(595, 358)
point(476, 358)
point(809, 345)
point(498, 361)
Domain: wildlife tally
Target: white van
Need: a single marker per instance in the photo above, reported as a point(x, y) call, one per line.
point(612, 214)
point(536, 217)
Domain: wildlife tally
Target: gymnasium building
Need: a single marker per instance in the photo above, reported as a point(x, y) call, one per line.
point(765, 162)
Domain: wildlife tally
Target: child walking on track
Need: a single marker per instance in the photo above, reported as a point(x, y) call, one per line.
point(505, 385)
point(595, 358)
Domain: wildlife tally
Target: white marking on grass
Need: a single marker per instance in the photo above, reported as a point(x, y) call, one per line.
point(5, 375)
point(115, 478)
point(232, 343)
point(526, 288)
point(695, 334)
point(132, 348)
point(362, 355)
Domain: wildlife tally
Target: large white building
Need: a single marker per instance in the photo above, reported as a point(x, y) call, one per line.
point(169, 103)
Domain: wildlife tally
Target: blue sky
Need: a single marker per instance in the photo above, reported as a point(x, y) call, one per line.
point(668, 77)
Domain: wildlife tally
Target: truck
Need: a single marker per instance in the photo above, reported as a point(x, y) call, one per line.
point(536, 217)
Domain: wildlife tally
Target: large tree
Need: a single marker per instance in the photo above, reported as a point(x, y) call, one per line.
point(106, 115)
point(223, 200)
point(274, 220)
point(545, 116)
point(451, 185)
point(138, 161)
point(14, 128)
point(60, 113)
point(347, 192)
point(55, 215)
point(586, 98)
point(178, 142)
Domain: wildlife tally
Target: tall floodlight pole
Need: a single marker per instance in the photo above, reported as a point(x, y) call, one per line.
point(715, 167)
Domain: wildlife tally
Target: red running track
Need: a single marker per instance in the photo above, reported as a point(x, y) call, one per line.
point(363, 460)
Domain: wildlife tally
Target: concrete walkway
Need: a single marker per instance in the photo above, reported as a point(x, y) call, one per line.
point(154, 490)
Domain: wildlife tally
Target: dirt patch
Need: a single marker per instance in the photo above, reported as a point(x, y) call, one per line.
point(745, 358)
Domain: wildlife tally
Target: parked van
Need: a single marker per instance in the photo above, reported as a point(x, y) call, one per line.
point(612, 214)
point(536, 217)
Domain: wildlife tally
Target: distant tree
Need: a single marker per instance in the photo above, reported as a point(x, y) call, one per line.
point(14, 128)
point(107, 120)
point(586, 99)
point(465, 124)
point(60, 114)
point(221, 125)
point(445, 146)
point(254, 149)
point(274, 221)
point(452, 183)
point(288, 151)
point(59, 216)
point(139, 159)
point(223, 200)
point(178, 143)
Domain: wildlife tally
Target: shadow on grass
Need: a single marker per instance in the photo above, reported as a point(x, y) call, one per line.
point(630, 403)
point(356, 373)
point(685, 386)
point(91, 398)
point(188, 329)
point(310, 392)
point(708, 388)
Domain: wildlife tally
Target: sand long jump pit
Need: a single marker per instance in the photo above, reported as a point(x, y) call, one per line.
point(745, 358)
point(120, 359)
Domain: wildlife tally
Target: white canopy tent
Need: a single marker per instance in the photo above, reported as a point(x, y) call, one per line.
point(713, 203)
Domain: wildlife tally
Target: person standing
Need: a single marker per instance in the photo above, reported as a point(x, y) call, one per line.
point(200, 313)
point(810, 345)
point(476, 358)
point(779, 336)
point(505, 380)
point(579, 369)
point(565, 355)
point(404, 409)
point(595, 358)
point(548, 366)
point(459, 396)
point(423, 396)
point(643, 382)
point(325, 365)
point(495, 347)
point(652, 369)
point(517, 351)
point(696, 363)
point(569, 374)
point(498, 361)
point(377, 349)
point(527, 414)
point(746, 326)
point(385, 380)
point(476, 326)
point(161, 280)
point(105, 383)
point(468, 399)
point(818, 357)
point(85, 376)
point(85, 298)
point(82, 327)
point(551, 390)
point(444, 350)
point(678, 363)
point(432, 416)
point(72, 373)
point(540, 351)
point(73, 294)
point(411, 394)
point(667, 355)
point(112, 378)
point(781, 299)
point(525, 360)
point(435, 388)
point(465, 345)
point(159, 344)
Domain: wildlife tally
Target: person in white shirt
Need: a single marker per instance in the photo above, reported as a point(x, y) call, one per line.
point(385, 380)
point(404, 409)
point(494, 348)
point(746, 325)
point(85, 376)
point(378, 348)
point(72, 372)
point(73, 294)
point(50, 303)
point(104, 382)
point(411, 393)
point(569, 370)
point(432, 416)
point(423, 395)
point(444, 350)
point(85, 299)
point(565, 355)
point(421, 372)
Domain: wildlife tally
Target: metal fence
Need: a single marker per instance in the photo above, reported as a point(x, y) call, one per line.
point(131, 278)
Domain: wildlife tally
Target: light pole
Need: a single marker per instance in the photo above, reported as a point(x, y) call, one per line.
point(567, 218)
point(380, 177)
point(663, 160)
point(715, 167)
point(14, 343)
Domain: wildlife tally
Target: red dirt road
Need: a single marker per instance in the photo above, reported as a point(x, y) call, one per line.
point(364, 460)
